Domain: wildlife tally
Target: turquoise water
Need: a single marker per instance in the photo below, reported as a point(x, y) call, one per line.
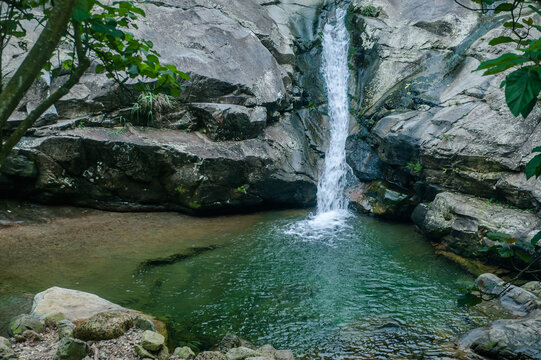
point(365, 289)
point(371, 289)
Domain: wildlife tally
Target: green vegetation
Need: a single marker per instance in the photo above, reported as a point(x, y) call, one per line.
point(370, 11)
point(149, 107)
point(96, 32)
point(416, 167)
point(242, 189)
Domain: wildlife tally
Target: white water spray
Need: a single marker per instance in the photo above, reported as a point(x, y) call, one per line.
point(332, 181)
point(331, 203)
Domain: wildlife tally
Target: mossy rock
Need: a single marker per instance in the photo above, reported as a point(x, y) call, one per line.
point(104, 326)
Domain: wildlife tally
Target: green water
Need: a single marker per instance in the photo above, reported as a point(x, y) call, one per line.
point(367, 289)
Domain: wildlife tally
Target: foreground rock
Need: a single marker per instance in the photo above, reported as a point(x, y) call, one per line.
point(104, 326)
point(6, 351)
point(74, 305)
point(107, 335)
point(510, 338)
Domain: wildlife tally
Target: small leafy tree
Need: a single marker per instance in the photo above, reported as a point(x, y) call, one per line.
point(95, 31)
point(522, 87)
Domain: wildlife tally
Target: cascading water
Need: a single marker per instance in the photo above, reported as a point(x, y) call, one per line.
point(332, 182)
point(331, 202)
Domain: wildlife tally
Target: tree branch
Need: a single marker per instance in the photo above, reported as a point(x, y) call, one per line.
point(83, 64)
point(33, 63)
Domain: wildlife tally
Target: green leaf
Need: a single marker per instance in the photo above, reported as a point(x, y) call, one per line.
point(536, 239)
point(523, 86)
point(505, 252)
point(499, 237)
point(533, 168)
point(508, 58)
point(501, 40)
point(504, 7)
point(468, 300)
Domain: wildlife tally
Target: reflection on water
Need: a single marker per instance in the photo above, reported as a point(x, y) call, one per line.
point(373, 290)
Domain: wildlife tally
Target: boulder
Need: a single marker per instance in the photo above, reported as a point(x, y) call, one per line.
point(460, 222)
point(507, 339)
point(104, 326)
point(284, 355)
point(267, 350)
point(517, 299)
point(28, 335)
point(65, 329)
point(534, 287)
point(6, 351)
point(163, 354)
point(211, 355)
point(73, 304)
point(24, 322)
point(152, 341)
point(241, 353)
point(145, 324)
point(71, 349)
point(139, 350)
point(382, 199)
point(228, 342)
point(184, 353)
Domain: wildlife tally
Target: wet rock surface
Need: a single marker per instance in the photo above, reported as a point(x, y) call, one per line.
point(461, 222)
point(509, 338)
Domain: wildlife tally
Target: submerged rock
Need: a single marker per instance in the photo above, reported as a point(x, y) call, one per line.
point(105, 326)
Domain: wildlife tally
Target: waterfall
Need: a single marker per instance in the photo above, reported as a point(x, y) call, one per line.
point(330, 219)
point(332, 181)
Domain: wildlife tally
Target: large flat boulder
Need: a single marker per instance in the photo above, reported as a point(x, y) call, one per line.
point(461, 222)
point(75, 305)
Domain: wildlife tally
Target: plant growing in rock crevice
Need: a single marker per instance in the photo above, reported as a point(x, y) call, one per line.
point(150, 106)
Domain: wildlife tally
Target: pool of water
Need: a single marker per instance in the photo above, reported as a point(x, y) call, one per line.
point(366, 289)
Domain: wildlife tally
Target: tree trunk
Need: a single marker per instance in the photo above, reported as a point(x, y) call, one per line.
point(34, 61)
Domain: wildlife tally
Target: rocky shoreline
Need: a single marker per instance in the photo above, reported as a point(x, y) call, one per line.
point(67, 324)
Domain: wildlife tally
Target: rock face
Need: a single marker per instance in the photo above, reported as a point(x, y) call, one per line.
point(461, 222)
point(233, 140)
point(426, 121)
point(510, 338)
point(383, 199)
